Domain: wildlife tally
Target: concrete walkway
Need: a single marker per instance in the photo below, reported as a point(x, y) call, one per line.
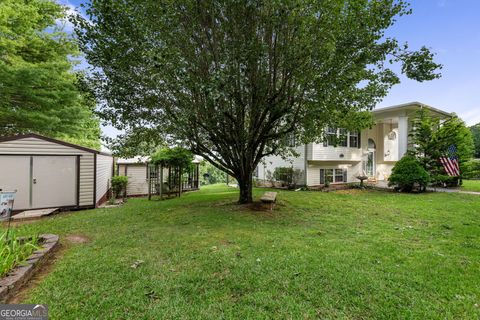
point(452, 191)
point(34, 214)
point(384, 185)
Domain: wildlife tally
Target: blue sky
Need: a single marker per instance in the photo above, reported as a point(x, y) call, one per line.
point(451, 28)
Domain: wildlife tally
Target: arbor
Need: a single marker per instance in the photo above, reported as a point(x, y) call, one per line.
point(236, 79)
point(476, 139)
point(178, 160)
point(38, 89)
point(431, 138)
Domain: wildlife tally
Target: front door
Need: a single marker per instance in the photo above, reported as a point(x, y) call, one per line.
point(370, 161)
point(370, 165)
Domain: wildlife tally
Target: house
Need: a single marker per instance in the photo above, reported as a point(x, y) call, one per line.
point(50, 173)
point(139, 169)
point(371, 152)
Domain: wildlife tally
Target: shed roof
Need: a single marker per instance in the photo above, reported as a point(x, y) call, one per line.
point(134, 160)
point(63, 143)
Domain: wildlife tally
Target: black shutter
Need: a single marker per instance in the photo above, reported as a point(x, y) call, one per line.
point(359, 139)
point(322, 176)
point(344, 175)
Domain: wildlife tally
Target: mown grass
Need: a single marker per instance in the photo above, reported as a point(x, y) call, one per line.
point(14, 251)
point(471, 185)
point(343, 255)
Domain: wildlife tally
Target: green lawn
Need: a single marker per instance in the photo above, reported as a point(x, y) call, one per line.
point(344, 255)
point(471, 185)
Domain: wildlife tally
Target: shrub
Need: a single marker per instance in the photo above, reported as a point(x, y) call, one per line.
point(283, 174)
point(119, 184)
point(472, 169)
point(288, 176)
point(408, 175)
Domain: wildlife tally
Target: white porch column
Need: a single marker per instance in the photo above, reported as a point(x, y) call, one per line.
point(402, 136)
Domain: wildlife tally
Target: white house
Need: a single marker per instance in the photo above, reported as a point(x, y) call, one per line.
point(50, 173)
point(372, 151)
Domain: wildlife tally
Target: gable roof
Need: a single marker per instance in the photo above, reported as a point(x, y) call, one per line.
point(411, 106)
point(63, 143)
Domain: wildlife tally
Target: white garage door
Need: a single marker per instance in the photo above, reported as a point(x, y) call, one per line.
point(40, 181)
point(15, 175)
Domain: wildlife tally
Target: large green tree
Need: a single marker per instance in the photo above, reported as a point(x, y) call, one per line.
point(476, 138)
point(235, 79)
point(39, 90)
point(432, 136)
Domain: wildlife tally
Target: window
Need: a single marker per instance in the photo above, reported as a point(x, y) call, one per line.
point(331, 137)
point(354, 139)
point(329, 175)
point(342, 137)
point(338, 175)
point(333, 175)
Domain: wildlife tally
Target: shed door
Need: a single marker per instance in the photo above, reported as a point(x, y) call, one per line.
point(54, 181)
point(15, 175)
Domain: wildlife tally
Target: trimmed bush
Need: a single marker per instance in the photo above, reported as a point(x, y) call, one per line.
point(408, 175)
point(119, 184)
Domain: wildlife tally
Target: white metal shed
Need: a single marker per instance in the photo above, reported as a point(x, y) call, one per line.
point(49, 173)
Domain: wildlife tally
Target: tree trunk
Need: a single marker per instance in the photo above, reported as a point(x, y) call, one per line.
point(245, 185)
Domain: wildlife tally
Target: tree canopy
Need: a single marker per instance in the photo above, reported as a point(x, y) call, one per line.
point(235, 79)
point(431, 138)
point(38, 88)
point(476, 139)
point(176, 157)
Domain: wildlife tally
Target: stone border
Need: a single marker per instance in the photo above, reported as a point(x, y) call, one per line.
point(21, 274)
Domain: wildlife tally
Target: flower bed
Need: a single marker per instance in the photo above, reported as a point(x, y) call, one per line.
point(14, 251)
point(25, 256)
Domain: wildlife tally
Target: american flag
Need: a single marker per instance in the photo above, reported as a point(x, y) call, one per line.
point(450, 161)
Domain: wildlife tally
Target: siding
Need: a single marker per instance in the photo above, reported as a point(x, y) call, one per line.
point(32, 146)
point(270, 163)
point(313, 170)
point(137, 178)
point(331, 153)
point(104, 175)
